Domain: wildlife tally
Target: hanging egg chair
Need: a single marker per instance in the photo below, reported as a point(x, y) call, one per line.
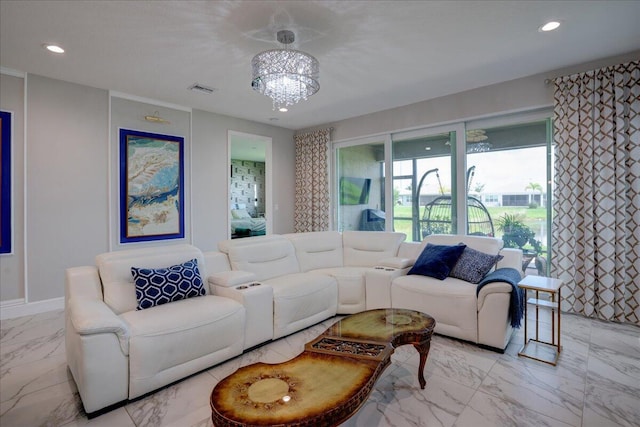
point(437, 216)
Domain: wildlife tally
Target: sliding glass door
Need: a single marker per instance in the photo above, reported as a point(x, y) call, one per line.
point(510, 184)
point(424, 182)
point(489, 177)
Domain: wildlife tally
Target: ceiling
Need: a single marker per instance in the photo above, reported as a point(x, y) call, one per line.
point(374, 55)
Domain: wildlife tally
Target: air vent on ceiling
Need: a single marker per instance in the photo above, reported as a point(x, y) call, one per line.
point(202, 88)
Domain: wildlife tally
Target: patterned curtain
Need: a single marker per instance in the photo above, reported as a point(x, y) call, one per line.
point(312, 209)
point(597, 208)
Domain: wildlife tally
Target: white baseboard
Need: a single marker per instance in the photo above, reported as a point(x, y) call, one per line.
point(17, 307)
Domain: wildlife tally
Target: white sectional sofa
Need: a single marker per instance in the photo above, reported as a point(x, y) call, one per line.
point(259, 289)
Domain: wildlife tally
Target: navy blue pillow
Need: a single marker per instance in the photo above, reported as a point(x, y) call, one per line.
point(437, 260)
point(156, 286)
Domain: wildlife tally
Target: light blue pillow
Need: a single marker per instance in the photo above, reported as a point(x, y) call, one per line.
point(157, 286)
point(437, 260)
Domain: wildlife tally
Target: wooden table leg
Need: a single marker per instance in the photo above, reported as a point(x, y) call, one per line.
point(423, 349)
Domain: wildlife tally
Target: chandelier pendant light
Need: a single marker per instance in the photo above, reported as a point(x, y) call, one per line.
point(286, 76)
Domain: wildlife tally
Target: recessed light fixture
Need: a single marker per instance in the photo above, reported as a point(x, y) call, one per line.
point(283, 109)
point(53, 48)
point(549, 26)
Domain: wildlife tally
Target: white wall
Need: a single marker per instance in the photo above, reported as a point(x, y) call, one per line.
point(210, 154)
point(67, 199)
point(130, 114)
point(66, 187)
point(512, 96)
point(12, 265)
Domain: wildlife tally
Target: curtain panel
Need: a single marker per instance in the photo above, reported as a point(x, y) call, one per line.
point(596, 224)
point(312, 200)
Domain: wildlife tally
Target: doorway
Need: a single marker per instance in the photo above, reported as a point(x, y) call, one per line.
point(249, 180)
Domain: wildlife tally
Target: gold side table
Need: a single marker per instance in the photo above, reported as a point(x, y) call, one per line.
point(535, 348)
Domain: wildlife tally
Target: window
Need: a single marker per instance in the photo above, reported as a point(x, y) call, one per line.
point(424, 183)
point(515, 200)
point(419, 182)
point(510, 180)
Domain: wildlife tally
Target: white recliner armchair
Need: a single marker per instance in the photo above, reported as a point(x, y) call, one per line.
point(459, 309)
point(116, 352)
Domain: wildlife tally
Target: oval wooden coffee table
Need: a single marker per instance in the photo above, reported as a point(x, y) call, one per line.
point(329, 381)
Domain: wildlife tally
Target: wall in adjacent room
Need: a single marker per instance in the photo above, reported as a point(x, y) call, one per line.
point(247, 184)
point(359, 162)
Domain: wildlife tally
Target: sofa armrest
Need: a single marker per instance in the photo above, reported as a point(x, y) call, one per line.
point(396, 262)
point(493, 288)
point(215, 262)
point(91, 316)
point(511, 258)
point(378, 282)
point(230, 278)
point(257, 298)
point(83, 282)
point(494, 328)
point(96, 345)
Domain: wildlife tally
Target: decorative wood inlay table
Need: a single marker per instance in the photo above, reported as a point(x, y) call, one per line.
point(328, 382)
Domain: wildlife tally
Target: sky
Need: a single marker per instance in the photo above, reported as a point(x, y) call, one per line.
point(508, 171)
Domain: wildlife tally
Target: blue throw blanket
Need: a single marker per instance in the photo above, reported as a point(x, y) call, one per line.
point(511, 276)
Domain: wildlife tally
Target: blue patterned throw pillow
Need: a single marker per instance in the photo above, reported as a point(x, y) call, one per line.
point(156, 286)
point(437, 260)
point(473, 265)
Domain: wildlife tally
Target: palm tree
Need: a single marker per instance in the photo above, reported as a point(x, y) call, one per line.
point(534, 186)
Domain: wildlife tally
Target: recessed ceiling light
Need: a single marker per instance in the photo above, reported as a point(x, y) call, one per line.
point(53, 48)
point(283, 109)
point(549, 26)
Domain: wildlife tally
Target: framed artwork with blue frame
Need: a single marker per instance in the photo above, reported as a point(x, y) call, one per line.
point(5, 183)
point(151, 186)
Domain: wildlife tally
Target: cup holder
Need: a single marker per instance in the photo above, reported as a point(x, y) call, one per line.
point(250, 285)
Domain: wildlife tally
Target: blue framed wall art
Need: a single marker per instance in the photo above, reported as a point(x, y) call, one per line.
point(6, 235)
point(151, 186)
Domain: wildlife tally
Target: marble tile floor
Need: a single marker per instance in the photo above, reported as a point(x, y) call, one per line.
point(596, 383)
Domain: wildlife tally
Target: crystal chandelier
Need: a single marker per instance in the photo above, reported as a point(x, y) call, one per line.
point(286, 76)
